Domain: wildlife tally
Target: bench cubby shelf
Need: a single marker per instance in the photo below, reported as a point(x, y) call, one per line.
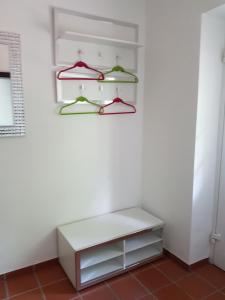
point(95, 249)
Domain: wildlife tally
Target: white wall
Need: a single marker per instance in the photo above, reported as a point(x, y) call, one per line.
point(64, 169)
point(208, 116)
point(170, 112)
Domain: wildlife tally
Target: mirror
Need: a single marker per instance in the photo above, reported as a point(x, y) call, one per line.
point(6, 111)
point(12, 122)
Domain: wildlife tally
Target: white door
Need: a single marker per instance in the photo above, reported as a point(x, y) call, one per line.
point(219, 248)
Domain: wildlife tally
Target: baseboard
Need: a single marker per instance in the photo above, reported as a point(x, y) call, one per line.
point(185, 265)
point(26, 269)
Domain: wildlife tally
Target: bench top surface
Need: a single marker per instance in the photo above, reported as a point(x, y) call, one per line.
point(97, 230)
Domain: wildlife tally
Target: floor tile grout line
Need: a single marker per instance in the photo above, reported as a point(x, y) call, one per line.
point(81, 298)
point(78, 294)
point(216, 291)
point(53, 282)
point(206, 281)
point(188, 271)
point(23, 293)
point(39, 286)
point(93, 287)
point(31, 290)
point(142, 297)
point(175, 281)
point(171, 279)
point(211, 294)
point(222, 290)
point(141, 284)
point(112, 290)
point(203, 279)
point(39, 283)
point(177, 285)
point(17, 294)
point(156, 290)
point(75, 297)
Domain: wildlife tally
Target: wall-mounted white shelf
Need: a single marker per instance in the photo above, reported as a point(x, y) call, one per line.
point(98, 248)
point(76, 36)
point(100, 42)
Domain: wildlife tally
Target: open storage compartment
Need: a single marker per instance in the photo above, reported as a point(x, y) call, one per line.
point(143, 253)
point(100, 254)
point(142, 240)
point(101, 269)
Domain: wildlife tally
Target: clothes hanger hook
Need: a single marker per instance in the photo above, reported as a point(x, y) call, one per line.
point(117, 59)
point(80, 54)
point(81, 88)
point(117, 92)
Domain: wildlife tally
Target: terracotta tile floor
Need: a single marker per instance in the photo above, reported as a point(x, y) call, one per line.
point(162, 280)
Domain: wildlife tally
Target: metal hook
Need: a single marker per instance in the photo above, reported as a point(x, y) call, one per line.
point(117, 92)
point(100, 88)
point(79, 54)
point(117, 59)
point(81, 88)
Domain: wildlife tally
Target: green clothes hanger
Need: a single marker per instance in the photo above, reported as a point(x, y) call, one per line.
point(79, 99)
point(121, 70)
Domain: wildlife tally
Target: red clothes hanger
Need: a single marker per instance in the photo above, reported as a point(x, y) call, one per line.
point(117, 100)
point(80, 64)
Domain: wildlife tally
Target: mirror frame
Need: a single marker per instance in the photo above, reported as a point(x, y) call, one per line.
point(12, 40)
